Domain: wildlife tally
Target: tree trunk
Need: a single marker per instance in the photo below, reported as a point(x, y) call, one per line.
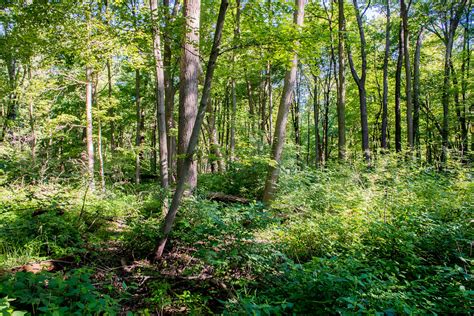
point(160, 96)
point(341, 87)
point(169, 89)
point(406, 47)
point(416, 91)
point(398, 85)
point(318, 156)
point(360, 81)
point(280, 127)
point(190, 150)
point(89, 132)
point(139, 136)
point(385, 80)
point(213, 141)
point(188, 87)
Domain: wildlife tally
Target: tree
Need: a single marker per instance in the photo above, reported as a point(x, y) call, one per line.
point(188, 86)
point(193, 140)
point(160, 96)
point(360, 81)
point(282, 117)
point(386, 56)
point(341, 85)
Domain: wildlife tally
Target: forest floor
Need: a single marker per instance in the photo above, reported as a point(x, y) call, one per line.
point(347, 240)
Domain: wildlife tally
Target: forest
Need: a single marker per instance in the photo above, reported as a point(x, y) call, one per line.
point(236, 157)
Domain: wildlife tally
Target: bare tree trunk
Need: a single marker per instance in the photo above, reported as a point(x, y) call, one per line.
point(465, 67)
point(341, 89)
point(360, 81)
point(169, 88)
point(280, 127)
point(32, 121)
point(213, 141)
point(270, 103)
point(385, 80)
point(89, 132)
point(318, 156)
point(110, 110)
point(193, 141)
point(188, 88)
point(160, 96)
point(139, 136)
point(398, 85)
point(416, 92)
point(406, 47)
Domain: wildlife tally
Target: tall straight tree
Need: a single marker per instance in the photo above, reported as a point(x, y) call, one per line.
point(188, 87)
point(160, 95)
point(341, 83)
point(193, 141)
point(386, 56)
point(89, 131)
point(398, 87)
point(360, 81)
point(282, 117)
point(406, 47)
point(416, 90)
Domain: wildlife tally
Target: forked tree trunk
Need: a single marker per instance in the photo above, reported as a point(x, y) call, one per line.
point(282, 118)
point(193, 141)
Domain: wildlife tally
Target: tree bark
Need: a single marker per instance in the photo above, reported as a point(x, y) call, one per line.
point(398, 85)
point(190, 150)
point(169, 88)
point(282, 118)
point(89, 131)
point(160, 95)
point(416, 91)
point(188, 88)
point(406, 47)
point(384, 142)
point(341, 84)
point(360, 81)
point(139, 136)
point(318, 156)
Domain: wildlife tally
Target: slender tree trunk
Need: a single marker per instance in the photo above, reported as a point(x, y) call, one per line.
point(341, 89)
point(270, 103)
point(188, 88)
point(416, 91)
point(169, 89)
point(32, 121)
point(160, 96)
point(408, 80)
point(89, 131)
point(466, 55)
point(360, 81)
point(110, 111)
point(385, 80)
point(139, 136)
point(280, 127)
point(317, 141)
point(213, 140)
point(398, 85)
point(190, 150)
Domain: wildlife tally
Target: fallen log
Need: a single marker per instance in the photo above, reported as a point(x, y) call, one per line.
point(227, 198)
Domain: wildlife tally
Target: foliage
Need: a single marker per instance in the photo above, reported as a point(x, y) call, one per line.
point(56, 294)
